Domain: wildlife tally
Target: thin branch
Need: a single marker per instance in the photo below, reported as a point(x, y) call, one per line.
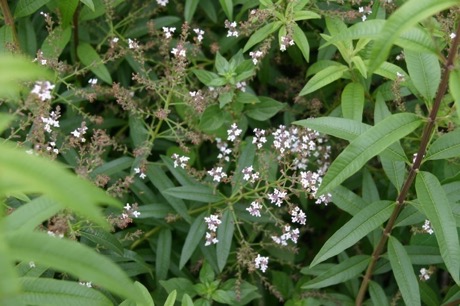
point(427, 132)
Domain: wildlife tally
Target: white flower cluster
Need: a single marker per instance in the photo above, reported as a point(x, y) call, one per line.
point(250, 175)
point(364, 11)
point(52, 147)
point(261, 263)
point(78, 133)
point(180, 161)
point(424, 274)
point(213, 222)
point(277, 197)
point(199, 34)
point(130, 211)
point(133, 44)
point(43, 90)
point(285, 41)
point(231, 26)
point(256, 56)
point(259, 138)
point(224, 150)
point(179, 51)
point(162, 2)
point(142, 175)
point(217, 174)
point(233, 132)
point(287, 235)
point(241, 86)
point(87, 284)
point(169, 31)
point(311, 182)
point(298, 216)
point(427, 227)
point(254, 209)
point(51, 121)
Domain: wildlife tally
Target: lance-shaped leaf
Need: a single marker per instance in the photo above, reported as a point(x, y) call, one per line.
point(347, 200)
point(446, 146)
point(367, 145)
point(454, 89)
point(194, 236)
point(436, 206)
point(403, 272)
point(198, 193)
point(424, 71)
point(409, 14)
point(340, 273)
point(323, 78)
point(262, 33)
point(301, 41)
point(353, 101)
point(364, 222)
point(225, 236)
point(91, 59)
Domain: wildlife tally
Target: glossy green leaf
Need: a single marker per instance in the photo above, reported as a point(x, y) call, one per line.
point(189, 9)
point(347, 200)
point(147, 298)
point(187, 300)
point(227, 7)
point(162, 182)
point(171, 298)
point(194, 237)
point(403, 272)
point(437, 209)
point(304, 15)
point(353, 101)
point(163, 253)
point(89, 4)
point(377, 294)
point(346, 270)
point(86, 263)
point(225, 237)
point(446, 146)
point(424, 71)
point(406, 16)
point(261, 34)
point(56, 41)
point(199, 193)
point(360, 65)
point(28, 173)
point(301, 41)
point(454, 89)
point(364, 222)
point(367, 145)
point(264, 110)
point(90, 58)
point(323, 78)
point(67, 10)
point(52, 292)
point(212, 119)
point(28, 7)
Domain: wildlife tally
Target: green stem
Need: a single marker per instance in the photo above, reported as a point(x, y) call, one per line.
point(426, 136)
point(9, 21)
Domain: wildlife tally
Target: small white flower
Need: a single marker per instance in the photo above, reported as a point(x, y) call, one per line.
point(162, 2)
point(424, 274)
point(92, 81)
point(277, 197)
point(142, 175)
point(43, 90)
point(233, 132)
point(361, 9)
point(133, 44)
point(213, 222)
point(136, 214)
point(427, 227)
point(127, 206)
point(168, 31)
point(199, 34)
point(254, 209)
point(298, 216)
point(261, 263)
point(31, 264)
point(115, 40)
point(211, 239)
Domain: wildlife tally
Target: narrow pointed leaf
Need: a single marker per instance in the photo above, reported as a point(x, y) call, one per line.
point(52, 292)
point(436, 206)
point(225, 236)
point(377, 294)
point(148, 300)
point(323, 78)
point(340, 273)
point(367, 145)
point(86, 263)
point(403, 272)
point(89, 4)
point(301, 41)
point(347, 200)
point(28, 7)
point(163, 253)
point(409, 14)
point(245, 160)
point(364, 222)
point(424, 71)
point(91, 59)
point(194, 237)
point(353, 101)
point(446, 146)
point(261, 34)
point(171, 298)
point(199, 193)
point(454, 89)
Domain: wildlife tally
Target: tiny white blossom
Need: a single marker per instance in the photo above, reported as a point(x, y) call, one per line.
point(115, 40)
point(92, 81)
point(233, 132)
point(199, 34)
point(452, 35)
point(136, 214)
point(162, 2)
point(31, 264)
point(261, 263)
point(43, 90)
point(241, 86)
point(277, 197)
point(133, 44)
point(427, 227)
point(211, 239)
point(127, 206)
point(298, 216)
point(180, 160)
point(169, 31)
point(213, 222)
point(254, 209)
point(424, 274)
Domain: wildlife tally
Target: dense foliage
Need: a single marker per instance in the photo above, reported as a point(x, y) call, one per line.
point(229, 152)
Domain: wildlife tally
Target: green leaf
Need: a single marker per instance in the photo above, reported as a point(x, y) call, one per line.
point(346, 270)
point(9, 282)
point(225, 236)
point(353, 101)
point(86, 263)
point(171, 298)
point(364, 222)
point(304, 15)
point(347, 200)
point(199, 193)
point(90, 58)
point(187, 300)
point(180, 174)
point(446, 146)
point(113, 167)
point(28, 7)
point(377, 294)
point(56, 41)
point(28, 173)
point(52, 292)
point(424, 71)
point(163, 253)
point(403, 272)
point(246, 159)
point(103, 238)
point(89, 4)
point(212, 119)
point(437, 209)
point(184, 284)
point(5, 121)
point(162, 182)
point(360, 65)
point(67, 10)
point(366, 146)
point(264, 110)
point(227, 7)
point(409, 14)
point(261, 34)
point(301, 41)
point(189, 10)
point(208, 78)
point(194, 236)
point(454, 89)
point(323, 78)
point(148, 301)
